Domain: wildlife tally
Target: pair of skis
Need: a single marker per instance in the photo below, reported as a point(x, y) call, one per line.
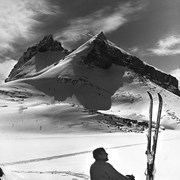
point(151, 149)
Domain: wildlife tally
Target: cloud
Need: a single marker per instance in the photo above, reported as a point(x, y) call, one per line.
point(18, 19)
point(133, 50)
point(170, 45)
point(5, 68)
point(107, 20)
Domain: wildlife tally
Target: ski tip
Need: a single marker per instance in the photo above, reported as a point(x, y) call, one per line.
point(159, 96)
point(149, 94)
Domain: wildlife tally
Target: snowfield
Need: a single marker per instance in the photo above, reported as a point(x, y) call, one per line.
point(69, 157)
point(43, 141)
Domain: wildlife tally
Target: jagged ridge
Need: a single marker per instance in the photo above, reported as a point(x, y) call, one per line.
point(103, 54)
point(46, 44)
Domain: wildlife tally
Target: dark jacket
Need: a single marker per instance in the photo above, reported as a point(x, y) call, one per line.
point(101, 170)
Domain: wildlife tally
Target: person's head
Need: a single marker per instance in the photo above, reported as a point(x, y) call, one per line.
point(100, 154)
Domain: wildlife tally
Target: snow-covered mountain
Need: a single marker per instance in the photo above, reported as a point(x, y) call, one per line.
point(37, 58)
point(100, 53)
point(49, 84)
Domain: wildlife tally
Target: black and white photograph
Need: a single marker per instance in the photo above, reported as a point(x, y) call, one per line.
point(89, 89)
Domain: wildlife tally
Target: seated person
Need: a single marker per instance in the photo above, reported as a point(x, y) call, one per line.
point(101, 170)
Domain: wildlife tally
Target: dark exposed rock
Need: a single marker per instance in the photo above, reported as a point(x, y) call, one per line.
point(98, 55)
point(48, 43)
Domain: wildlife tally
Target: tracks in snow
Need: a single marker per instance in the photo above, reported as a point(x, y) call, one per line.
point(74, 154)
point(62, 173)
point(63, 155)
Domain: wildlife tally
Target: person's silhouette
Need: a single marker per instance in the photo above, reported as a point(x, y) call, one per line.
point(101, 170)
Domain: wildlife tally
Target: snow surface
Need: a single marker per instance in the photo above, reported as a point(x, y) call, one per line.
point(68, 157)
point(44, 139)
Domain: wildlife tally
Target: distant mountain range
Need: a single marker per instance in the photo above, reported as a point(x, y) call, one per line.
point(98, 52)
point(97, 78)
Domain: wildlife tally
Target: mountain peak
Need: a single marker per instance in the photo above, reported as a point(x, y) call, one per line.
point(101, 35)
point(103, 54)
point(45, 46)
point(48, 37)
point(48, 43)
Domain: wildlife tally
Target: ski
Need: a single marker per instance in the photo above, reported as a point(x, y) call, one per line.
point(151, 151)
point(155, 138)
point(148, 152)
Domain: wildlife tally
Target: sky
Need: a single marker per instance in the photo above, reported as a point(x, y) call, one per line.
point(148, 29)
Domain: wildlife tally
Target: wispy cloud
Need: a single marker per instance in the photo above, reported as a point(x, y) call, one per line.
point(17, 20)
point(5, 68)
point(133, 50)
point(106, 20)
point(170, 45)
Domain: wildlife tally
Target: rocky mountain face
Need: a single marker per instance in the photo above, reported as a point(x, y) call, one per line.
point(101, 54)
point(104, 53)
point(24, 67)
